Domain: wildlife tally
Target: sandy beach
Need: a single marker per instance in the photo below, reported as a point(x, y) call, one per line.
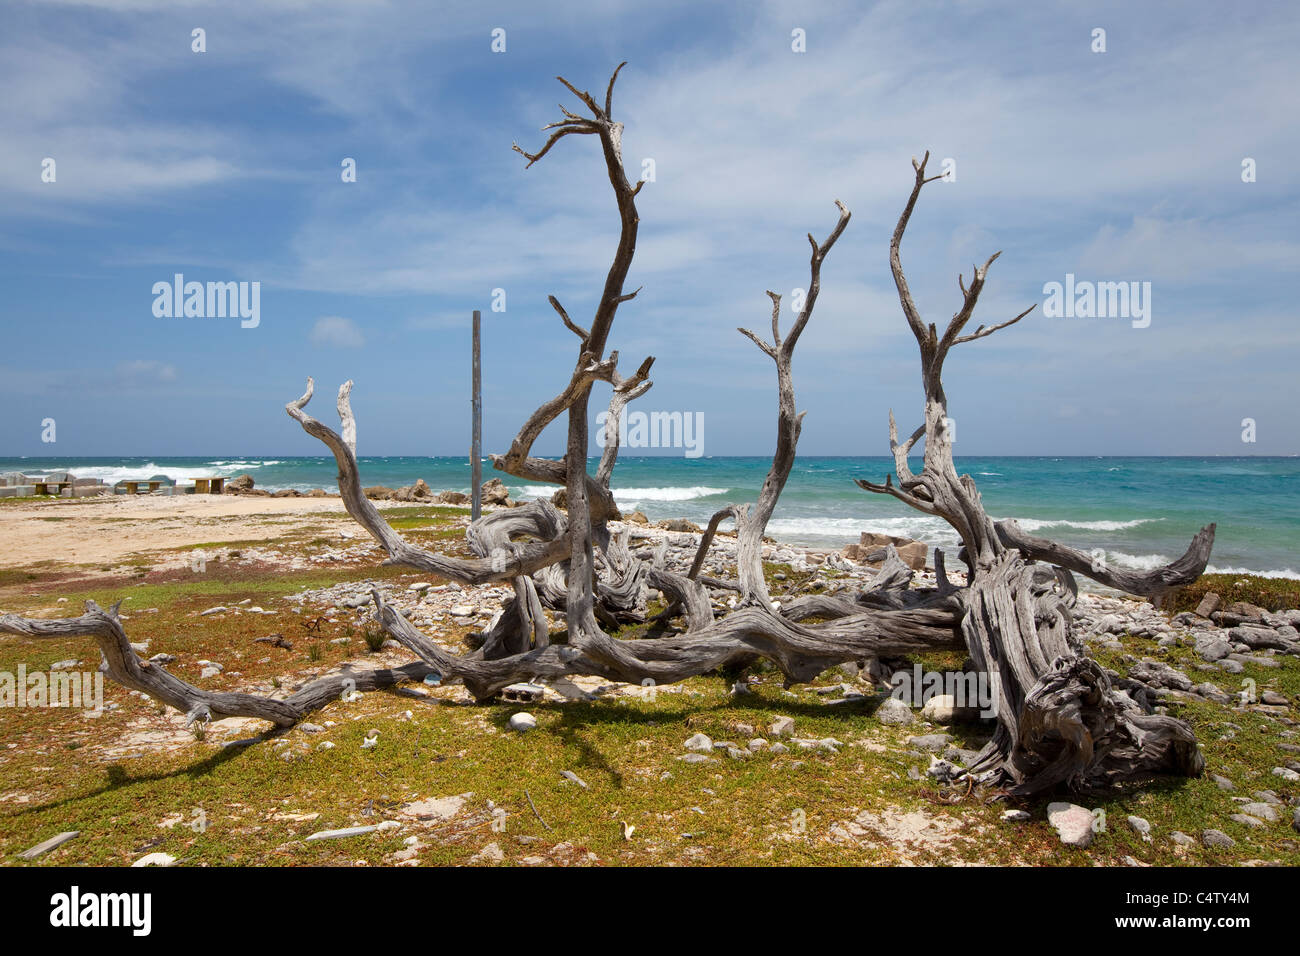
point(105, 531)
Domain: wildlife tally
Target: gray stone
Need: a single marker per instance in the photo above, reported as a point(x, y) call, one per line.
point(1213, 692)
point(1217, 838)
point(696, 758)
point(1160, 675)
point(932, 743)
point(782, 727)
point(1264, 811)
point(1212, 648)
point(1181, 839)
point(700, 743)
point(1209, 604)
point(1223, 783)
point(943, 771)
point(1246, 819)
point(1141, 827)
point(894, 712)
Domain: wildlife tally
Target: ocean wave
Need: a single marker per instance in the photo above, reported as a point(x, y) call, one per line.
point(847, 530)
point(1284, 573)
point(182, 473)
point(626, 497)
point(1133, 562)
point(113, 473)
point(1035, 524)
point(666, 494)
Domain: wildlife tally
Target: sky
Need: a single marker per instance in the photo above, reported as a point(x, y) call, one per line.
point(227, 165)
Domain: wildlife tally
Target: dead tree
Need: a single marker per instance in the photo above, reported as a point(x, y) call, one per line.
point(1060, 720)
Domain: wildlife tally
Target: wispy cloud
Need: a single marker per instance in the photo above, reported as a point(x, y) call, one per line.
point(337, 332)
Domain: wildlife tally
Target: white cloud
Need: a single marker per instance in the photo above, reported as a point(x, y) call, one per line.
point(146, 371)
point(337, 332)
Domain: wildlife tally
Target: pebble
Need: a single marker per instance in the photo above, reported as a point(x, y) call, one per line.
point(1217, 838)
point(522, 722)
point(1141, 827)
point(894, 712)
point(782, 727)
point(699, 743)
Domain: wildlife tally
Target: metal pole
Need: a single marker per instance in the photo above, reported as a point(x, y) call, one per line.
point(476, 441)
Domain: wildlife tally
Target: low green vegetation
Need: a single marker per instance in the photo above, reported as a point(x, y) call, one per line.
point(1272, 594)
point(134, 781)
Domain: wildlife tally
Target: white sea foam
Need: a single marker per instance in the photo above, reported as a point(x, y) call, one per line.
point(847, 530)
point(112, 473)
point(1284, 573)
point(182, 473)
point(1135, 562)
point(1035, 524)
point(629, 496)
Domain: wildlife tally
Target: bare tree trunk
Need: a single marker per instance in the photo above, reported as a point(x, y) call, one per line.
point(1059, 719)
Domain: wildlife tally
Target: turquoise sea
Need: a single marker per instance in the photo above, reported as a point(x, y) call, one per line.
point(1140, 511)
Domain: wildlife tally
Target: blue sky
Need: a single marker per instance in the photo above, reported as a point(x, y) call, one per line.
point(225, 166)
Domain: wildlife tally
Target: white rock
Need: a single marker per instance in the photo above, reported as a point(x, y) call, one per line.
point(700, 743)
point(1072, 822)
point(782, 727)
point(489, 854)
point(522, 721)
point(155, 859)
point(941, 709)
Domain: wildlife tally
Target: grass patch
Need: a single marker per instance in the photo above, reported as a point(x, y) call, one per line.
point(1272, 594)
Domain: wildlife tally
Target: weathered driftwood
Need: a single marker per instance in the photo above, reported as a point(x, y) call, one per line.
point(1155, 584)
point(1060, 720)
point(127, 668)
